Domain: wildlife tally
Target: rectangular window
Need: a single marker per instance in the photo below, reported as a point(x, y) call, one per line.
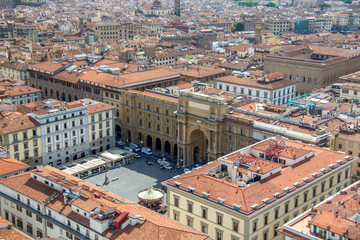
point(176, 201)
point(28, 213)
point(190, 207)
point(29, 229)
point(204, 228)
point(219, 235)
point(20, 223)
point(254, 228)
point(204, 213)
point(39, 219)
point(19, 208)
point(236, 226)
point(190, 221)
point(50, 225)
point(219, 218)
point(176, 216)
point(69, 235)
point(39, 233)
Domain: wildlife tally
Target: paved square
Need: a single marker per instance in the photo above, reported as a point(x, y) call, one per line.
point(132, 178)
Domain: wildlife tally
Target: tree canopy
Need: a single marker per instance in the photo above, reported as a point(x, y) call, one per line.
point(238, 26)
point(248, 3)
point(271, 4)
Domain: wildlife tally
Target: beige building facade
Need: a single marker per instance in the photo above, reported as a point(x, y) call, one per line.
point(20, 137)
point(322, 67)
point(106, 32)
point(348, 141)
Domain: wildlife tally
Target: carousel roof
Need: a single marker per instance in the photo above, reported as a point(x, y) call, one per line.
point(150, 194)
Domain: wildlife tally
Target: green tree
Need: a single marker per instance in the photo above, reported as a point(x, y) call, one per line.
point(238, 26)
point(248, 3)
point(203, 15)
point(271, 4)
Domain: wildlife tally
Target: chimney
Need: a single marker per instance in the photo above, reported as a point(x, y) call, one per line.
point(39, 168)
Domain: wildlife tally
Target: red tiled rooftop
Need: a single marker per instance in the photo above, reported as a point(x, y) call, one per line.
point(8, 165)
point(255, 193)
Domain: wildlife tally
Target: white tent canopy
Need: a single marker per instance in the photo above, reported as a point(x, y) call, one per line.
point(150, 194)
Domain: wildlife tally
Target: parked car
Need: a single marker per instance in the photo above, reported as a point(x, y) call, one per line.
point(137, 155)
point(135, 147)
point(147, 151)
point(169, 167)
point(160, 161)
point(164, 164)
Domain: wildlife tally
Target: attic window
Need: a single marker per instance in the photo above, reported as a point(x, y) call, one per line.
point(287, 189)
point(220, 200)
point(236, 207)
point(205, 195)
point(254, 207)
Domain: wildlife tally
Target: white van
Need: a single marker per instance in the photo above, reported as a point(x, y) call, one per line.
point(147, 151)
point(135, 147)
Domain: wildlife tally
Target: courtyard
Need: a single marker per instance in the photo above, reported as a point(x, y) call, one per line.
point(127, 180)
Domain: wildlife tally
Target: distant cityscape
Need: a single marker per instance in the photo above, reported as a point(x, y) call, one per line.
point(171, 120)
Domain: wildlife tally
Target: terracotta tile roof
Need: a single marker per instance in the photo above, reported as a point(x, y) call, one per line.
point(255, 193)
point(338, 214)
point(20, 90)
point(48, 66)
point(155, 226)
point(68, 76)
point(28, 186)
point(12, 233)
point(293, 153)
point(256, 83)
point(8, 165)
point(338, 52)
point(15, 65)
point(263, 166)
point(16, 122)
point(58, 205)
point(127, 79)
point(97, 106)
point(199, 73)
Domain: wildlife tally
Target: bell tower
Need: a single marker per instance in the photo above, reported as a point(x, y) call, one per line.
point(177, 8)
